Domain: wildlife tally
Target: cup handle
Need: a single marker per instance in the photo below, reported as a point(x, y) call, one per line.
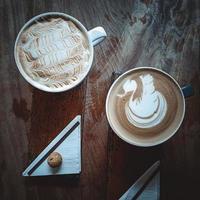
point(97, 35)
point(187, 90)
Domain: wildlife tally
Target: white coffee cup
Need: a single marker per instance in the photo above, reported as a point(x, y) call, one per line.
point(94, 36)
point(136, 139)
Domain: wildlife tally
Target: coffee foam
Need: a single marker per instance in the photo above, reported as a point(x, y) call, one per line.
point(54, 52)
point(145, 105)
point(149, 108)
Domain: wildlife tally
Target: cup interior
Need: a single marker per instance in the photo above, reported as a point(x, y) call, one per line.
point(133, 137)
point(45, 17)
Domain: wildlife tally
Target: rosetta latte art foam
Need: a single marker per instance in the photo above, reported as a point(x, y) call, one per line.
point(54, 52)
point(149, 107)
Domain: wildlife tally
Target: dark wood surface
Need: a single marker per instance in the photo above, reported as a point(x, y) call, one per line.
point(161, 34)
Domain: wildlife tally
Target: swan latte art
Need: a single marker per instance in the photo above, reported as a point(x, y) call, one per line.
point(149, 107)
point(54, 52)
point(144, 105)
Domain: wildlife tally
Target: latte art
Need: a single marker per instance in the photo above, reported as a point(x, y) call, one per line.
point(54, 52)
point(149, 108)
point(145, 106)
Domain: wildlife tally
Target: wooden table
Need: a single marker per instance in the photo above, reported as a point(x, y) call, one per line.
point(162, 34)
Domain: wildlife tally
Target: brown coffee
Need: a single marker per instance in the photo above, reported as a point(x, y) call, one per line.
point(54, 52)
point(145, 104)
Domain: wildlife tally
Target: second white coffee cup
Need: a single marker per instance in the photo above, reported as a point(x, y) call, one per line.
point(152, 129)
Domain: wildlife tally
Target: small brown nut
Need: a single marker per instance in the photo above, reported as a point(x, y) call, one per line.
point(54, 159)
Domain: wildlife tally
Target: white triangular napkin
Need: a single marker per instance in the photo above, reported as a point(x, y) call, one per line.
point(68, 144)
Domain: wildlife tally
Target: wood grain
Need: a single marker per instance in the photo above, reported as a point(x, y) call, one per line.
point(161, 34)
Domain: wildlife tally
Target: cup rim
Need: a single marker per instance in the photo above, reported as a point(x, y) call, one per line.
point(143, 144)
point(35, 83)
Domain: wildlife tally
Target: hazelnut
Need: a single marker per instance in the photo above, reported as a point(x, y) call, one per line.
point(54, 159)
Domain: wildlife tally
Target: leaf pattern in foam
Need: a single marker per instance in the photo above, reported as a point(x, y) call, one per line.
point(54, 52)
point(74, 55)
point(47, 27)
point(62, 79)
point(36, 47)
point(65, 67)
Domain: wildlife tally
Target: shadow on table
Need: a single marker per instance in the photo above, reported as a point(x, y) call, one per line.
point(58, 180)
